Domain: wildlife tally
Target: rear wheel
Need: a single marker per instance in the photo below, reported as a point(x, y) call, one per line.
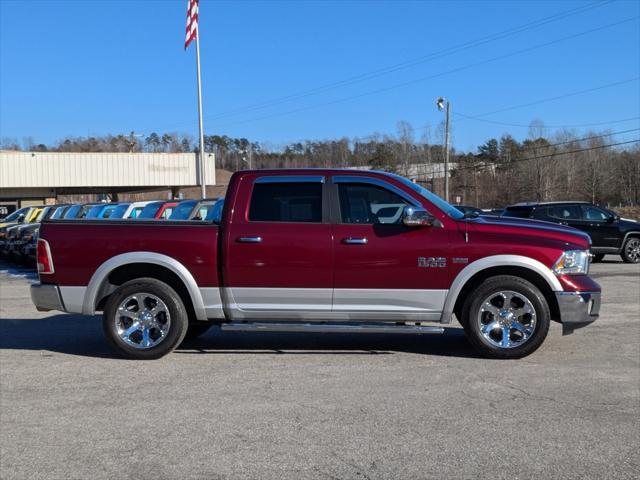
point(631, 250)
point(506, 317)
point(597, 257)
point(144, 319)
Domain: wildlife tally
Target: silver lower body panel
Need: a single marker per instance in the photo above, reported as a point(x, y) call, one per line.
point(329, 328)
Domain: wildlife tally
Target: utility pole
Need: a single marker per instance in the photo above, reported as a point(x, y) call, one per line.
point(447, 112)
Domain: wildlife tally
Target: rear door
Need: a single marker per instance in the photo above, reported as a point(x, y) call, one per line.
point(278, 253)
point(384, 269)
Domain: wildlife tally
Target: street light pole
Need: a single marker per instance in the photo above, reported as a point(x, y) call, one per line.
point(447, 112)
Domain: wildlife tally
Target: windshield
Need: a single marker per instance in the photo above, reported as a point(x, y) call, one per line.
point(15, 215)
point(135, 213)
point(447, 208)
point(59, 213)
point(215, 213)
point(118, 211)
point(95, 211)
point(150, 210)
point(183, 210)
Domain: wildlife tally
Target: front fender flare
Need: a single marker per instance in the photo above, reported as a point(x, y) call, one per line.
point(495, 261)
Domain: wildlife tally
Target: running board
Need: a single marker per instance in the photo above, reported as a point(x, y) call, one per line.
point(328, 328)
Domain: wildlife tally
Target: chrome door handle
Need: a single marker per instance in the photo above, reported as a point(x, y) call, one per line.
point(355, 241)
point(249, 239)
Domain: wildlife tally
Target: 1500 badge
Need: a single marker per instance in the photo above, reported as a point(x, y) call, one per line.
point(432, 262)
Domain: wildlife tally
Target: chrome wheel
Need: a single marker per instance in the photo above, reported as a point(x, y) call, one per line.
point(632, 250)
point(142, 320)
point(506, 319)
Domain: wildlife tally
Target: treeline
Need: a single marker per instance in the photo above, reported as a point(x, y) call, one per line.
point(543, 167)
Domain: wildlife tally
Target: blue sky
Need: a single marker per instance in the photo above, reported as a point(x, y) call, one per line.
point(97, 67)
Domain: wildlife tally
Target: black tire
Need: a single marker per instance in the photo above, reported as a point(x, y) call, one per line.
point(472, 308)
point(177, 328)
point(197, 329)
point(631, 250)
point(597, 258)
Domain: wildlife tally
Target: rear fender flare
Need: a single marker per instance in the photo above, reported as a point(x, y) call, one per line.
point(495, 261)
point(101, 274)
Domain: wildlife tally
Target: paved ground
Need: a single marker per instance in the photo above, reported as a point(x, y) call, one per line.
point(302, 406)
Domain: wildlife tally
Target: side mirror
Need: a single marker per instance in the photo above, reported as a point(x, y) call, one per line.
point(419, 217)
point(613, 218)
point(20, 218)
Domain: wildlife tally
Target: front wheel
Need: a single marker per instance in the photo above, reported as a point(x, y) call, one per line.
point(506, 317)
point(631, 250)
point(144, 319)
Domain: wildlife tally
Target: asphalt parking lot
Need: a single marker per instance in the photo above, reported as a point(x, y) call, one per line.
point(319, 406)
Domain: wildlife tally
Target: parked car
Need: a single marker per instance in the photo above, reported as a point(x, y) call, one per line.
point(303, 250)
point(80, 210)
point(15, 217)
point(134, 209)
point(12, 232)
point(108, 210)
point(193, 209)
point(158, 210)
point(609, 233)
point(24, 240)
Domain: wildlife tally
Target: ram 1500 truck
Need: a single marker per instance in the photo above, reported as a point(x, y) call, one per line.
point(320, 251)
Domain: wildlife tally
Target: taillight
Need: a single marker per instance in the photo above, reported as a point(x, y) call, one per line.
point(45, 263)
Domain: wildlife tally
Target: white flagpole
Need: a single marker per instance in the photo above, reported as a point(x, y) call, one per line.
point(203, 181)
point(201, 156)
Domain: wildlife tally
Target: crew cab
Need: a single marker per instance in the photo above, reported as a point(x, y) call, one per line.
point(320, 251)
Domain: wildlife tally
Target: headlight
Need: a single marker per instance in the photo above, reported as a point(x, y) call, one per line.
point(572, 262)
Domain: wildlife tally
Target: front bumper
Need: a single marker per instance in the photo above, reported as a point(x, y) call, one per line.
point(577, 309)
point(46, 297)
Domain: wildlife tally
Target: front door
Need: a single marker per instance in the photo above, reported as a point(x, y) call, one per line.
point(603, 231)
point(384, 269)
point(278, 253)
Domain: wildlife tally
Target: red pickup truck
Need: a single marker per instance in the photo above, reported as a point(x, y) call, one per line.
point(320, 251)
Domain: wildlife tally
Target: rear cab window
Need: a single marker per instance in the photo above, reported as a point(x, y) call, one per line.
point(274, 200)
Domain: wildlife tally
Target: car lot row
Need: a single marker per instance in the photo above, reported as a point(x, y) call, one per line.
point(19, 231)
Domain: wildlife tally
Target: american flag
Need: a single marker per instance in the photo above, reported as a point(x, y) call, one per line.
point(192, 22)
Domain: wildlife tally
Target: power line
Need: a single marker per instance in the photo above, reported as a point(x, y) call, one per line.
point(545, 100)
point(412, 62)
point(575, 125)
point(422, 79)
point(408, 63)
point(538, 157)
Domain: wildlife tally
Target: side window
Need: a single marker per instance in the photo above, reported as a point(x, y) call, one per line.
point(595, 214)
point(568, 212)
point(286, 202)
point(369, 204)
point(541, 212)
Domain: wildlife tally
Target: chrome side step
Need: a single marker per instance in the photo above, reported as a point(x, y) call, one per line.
point(328, 328)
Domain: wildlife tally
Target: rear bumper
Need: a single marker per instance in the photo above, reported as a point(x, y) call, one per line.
point(577, 309)
point(46, 297)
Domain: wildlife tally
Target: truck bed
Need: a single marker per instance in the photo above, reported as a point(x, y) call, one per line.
point(81, 246)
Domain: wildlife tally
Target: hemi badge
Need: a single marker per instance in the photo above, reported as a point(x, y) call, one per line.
point(460, 260)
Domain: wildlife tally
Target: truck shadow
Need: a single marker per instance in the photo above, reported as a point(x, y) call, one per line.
point(83, 336)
